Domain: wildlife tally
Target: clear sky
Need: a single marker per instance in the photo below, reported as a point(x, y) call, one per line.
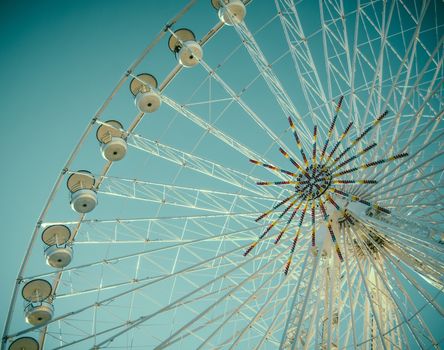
point(58, 61)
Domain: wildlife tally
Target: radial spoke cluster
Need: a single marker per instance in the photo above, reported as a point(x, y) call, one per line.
point(317, 180)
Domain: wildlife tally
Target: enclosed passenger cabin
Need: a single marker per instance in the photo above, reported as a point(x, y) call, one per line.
point(58, 251)
point(83, 194)
point(146, 96)
point(230, 11)
point(184, 45)
point(38, 302)
point(112, 140)
point(24, 343)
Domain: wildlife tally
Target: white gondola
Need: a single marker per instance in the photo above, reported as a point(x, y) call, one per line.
point(59, 251)
point(184, 45)
point(144, 89)
point(24, 343)
point(38, 302)
point(230, 11)
point(112, 140)
point(83, 194)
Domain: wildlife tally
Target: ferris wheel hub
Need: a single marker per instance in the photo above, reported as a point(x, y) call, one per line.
point(318, 183)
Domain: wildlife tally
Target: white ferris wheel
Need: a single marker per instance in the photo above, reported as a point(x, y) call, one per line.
point(267, 176)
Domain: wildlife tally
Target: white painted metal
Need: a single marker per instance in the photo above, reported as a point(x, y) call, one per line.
point(84, 200)
point(184, 45)
point(189, 54)
point(59, 256)
point(39, 314)
point(147, 102)
point(114, 150)
point(232, 12)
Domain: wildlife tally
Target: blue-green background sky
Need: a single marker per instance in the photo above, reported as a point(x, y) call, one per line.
point(58, 61)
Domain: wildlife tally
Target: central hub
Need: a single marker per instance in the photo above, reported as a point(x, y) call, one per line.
point(314, 182)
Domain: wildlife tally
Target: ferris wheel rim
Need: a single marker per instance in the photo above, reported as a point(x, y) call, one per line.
point(169, 78)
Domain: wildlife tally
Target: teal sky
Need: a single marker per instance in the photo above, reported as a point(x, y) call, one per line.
point(59, 60)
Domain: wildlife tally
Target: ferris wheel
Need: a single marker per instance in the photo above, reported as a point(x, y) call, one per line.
point(269, 176)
